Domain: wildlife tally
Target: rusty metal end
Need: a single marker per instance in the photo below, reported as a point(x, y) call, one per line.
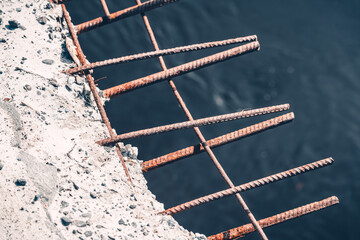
point(242, 231)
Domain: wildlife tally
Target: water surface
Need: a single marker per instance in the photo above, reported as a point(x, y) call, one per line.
point(309, 57)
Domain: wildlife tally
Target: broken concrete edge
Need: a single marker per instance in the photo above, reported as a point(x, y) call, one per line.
point(51, 171)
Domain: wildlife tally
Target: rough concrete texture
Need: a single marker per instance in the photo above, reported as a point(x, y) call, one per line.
point(55, 182)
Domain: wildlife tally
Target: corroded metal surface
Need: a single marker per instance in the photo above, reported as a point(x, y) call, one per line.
point(215, 142)
point(105, 8)
point(131, 11)
point(198, 132)
point(279, 218)
point(182, 69)
point(195, 123)
point(204, 145)
point(148, 55)
point(93, 89)
point(248, 186)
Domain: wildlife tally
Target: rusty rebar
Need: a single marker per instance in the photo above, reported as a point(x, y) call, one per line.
point(93, 89)
point(216, 142)
point(248, 186)
point(148, 55)
point(197, 130)
point(105, 8)
point(276, 219)
point(131, 11)
point(195, 123)
point(182, 69)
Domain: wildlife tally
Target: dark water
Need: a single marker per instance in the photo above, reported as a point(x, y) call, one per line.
point(310, 58)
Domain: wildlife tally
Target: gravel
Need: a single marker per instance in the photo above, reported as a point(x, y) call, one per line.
point(75, 189)
point(48, 61)
point(20, 182)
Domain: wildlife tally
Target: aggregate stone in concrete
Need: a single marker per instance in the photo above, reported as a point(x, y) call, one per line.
point(52, 131)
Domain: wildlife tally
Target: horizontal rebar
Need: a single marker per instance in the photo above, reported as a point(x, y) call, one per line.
point(194, 123)
point(182, 69)
point(113, 17)
point(152, 54)
point(248, 186)
point(276, 219)
point(215, 142)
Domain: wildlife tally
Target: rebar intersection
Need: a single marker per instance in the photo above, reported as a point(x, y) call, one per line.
point(204, 145)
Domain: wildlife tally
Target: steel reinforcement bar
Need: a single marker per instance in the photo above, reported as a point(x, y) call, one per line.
point(93, 89)
point(105, 8)
point(248, 186)
point(197, 130)
point(276, 219)
point(194, 123)
point(182, 69)
point(113, 17)
point(216, 142)
point(148, 55)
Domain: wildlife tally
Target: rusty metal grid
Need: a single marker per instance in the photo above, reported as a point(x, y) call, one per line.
point(204, 145)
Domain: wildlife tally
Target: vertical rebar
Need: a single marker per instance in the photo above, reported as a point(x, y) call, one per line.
point(92, 85)
point(105, 8)
point(197, 130)
point(276, 219)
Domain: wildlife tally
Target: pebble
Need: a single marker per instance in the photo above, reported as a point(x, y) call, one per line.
point(88, 233)
point(1, 166)
point(42, 20)
point(86, 215)
point(132, 206)
point(198, 236)
point(2, 40)
point(121, 222)
point(48, 6)
point(79, 223)
point(20, 182)
point(18, 9)
point(54, 83)
point(93, 195)
point(66, 221)
point(14, 23)
point(64, 204)
point(67, 86)
point(48, 61)
point(27, 87)
point(75, 186)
